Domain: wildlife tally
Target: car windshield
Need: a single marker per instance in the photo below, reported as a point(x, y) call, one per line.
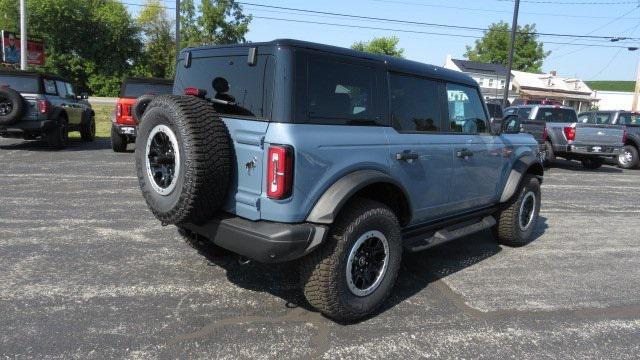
point(557, 115)
point(23, 84)
point(134, 90)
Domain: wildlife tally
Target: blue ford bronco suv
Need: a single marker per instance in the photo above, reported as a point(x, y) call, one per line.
point(342, 160)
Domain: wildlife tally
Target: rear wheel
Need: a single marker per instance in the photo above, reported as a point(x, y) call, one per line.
point(58, 137)
point(354, 271)
point(629, 158)
point(517, 221)
point(592, 163)
point(118, 142)
point(549, 154)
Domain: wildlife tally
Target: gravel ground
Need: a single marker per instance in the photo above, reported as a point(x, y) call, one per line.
point(87, 272)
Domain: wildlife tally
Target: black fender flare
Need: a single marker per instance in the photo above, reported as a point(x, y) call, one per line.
point(634, 140)
point(521, 166)
point(336, 196)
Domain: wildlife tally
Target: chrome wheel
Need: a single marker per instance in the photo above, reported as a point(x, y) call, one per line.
point(625, 158)
point(527, 210)
point(367, 263)
point(163, 159)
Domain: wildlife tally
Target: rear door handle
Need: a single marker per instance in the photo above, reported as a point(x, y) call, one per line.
point(407, 155)
point(464, 153)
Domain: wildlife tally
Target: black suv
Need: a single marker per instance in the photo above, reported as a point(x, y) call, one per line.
point(34, 105)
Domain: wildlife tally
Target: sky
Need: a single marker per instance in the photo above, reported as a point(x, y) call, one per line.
point(571, 58)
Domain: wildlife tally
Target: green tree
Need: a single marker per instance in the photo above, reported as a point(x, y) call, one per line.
point(493, 47)
point(381, 45)
point(216, 22)
point(92, 42)
point(158, 38)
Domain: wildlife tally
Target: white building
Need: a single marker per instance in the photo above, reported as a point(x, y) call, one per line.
point(491, 77)
point(567, 91)
point(613, 100)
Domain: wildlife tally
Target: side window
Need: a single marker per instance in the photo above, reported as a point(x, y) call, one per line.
point(583, 118)
point(466, 111)
point(238, 86)
point(414, 103)
point(629, 119)
point(602, 118)
point(70, 91)
point(340, 91)
point(523, 113)
point(50, 87)
point(62, 88)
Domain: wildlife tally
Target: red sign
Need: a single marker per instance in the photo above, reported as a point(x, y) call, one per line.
point(11, 49)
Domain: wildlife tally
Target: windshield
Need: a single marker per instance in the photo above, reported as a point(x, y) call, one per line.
point(134, 90)
point(557, 115)
point(23, 84)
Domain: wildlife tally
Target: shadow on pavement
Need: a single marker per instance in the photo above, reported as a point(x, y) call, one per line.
point(577, 166)
point(418, 270)
point(74, 145)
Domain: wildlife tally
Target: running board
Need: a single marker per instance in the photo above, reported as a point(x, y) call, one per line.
point(431, 239)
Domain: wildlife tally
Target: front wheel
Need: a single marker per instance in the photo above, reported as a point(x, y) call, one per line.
point(352, 274)
point(118, 142)
point(58, 137)
point(88, 129)
point(517, 221)
point(629, 158)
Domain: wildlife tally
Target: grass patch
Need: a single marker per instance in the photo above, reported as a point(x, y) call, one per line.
point(612, 85)
point(104, 113)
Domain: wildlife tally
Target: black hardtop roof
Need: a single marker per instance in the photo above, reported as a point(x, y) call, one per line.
point(393, 63)
point(151, 80)
point(31, 74)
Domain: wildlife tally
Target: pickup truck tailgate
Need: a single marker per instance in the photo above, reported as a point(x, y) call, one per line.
point(592, 134)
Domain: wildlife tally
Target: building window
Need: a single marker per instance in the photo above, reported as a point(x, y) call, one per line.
point(490, 83)
point(502, 83)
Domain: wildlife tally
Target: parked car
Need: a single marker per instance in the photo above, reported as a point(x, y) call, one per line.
point(520, 118)
point(293, 150)
point(135, 95)
point(495, 115)
point(43, 106)
point(518, 102)
point(629, 158)
point(567, 138)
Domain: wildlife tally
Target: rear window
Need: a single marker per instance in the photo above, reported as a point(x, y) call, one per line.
point(137, 89)
point(557, 115)
point(24, 84)
point(231, 80)
point(629, 119)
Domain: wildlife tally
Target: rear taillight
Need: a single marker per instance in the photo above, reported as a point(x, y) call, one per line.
point(545, 134)
point(118, 110)
point(195, 92)
point(570, 133)
point(280, 172)
point(44, 106)
point(624, 137)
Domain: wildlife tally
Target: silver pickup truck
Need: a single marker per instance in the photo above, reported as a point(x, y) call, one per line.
point(629, 158)
point(564, 136)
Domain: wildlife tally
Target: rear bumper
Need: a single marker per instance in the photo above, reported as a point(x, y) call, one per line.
point(129, 130)
point(263, 241)
point(595, 150)
point(34, 126)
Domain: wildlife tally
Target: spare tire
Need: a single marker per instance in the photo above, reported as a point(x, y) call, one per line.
point(183, 159)
point(11, 106)
point(140, 106)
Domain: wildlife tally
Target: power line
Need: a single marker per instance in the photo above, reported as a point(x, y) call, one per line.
point(448, 26)
point(575, 2)
point(422, 32)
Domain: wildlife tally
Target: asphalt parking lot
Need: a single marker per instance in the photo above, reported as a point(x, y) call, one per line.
point(87, 272)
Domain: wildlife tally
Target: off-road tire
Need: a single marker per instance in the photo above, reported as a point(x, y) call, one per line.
point(592, 163)
point(550, 155)
point(13, 99)
point(323, 272)
point(58, 137)
point(118, 142)
point(88, 128)
point(508, 230)
point(140, 106)
point(633, 164)
point(205, 158)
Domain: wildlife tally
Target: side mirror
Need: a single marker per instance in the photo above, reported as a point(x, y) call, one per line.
point(510, 125)
point(84, 96)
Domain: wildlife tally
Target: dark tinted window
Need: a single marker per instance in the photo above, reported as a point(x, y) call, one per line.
point(136, 89)
point(523, 113)
point(557, 115)
point(495, 110)
point(602, 118)
point(629, 119)
point(62, 88)
point(509, 111)
point(21, 83)
point(414, 104)
point(229, 79)
point(339, 90)
point(50, 87)
point(466, 110)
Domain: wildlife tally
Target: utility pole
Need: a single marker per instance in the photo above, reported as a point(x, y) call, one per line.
point(23, 35)
point(177, 28)
point(512, 44)
point(634, 106)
